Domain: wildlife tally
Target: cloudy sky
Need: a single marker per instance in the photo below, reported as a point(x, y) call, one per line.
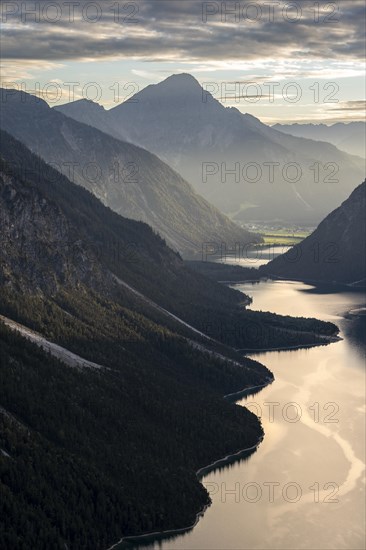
point(280, 61)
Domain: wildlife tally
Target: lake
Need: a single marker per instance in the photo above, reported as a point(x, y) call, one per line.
point(304, 487)
point(251, 256)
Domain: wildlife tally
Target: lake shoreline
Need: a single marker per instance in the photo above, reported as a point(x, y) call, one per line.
point(330, 365)
point(334, 285)
point(201, 472)
point(229, 459)
point(233, 397)
point(327, 340)
point(155, 536)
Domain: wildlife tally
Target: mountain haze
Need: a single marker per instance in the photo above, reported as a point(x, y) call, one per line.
point(129, 179)
point(90, 113)
point(350, 137)
point(223, 152)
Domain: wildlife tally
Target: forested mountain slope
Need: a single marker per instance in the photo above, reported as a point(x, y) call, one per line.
point(334, 252)
point(104, 245)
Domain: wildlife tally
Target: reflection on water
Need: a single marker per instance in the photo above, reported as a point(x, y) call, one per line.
point(251, 256)
point(304, 487)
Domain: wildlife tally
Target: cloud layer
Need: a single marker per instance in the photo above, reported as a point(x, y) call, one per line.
point(182, 30)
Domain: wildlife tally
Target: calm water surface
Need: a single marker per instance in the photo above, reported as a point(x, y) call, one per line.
point(254, 257)
point(304, 487)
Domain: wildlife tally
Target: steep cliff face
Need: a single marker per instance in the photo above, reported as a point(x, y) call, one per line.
point(335, 251)
point(40, 250)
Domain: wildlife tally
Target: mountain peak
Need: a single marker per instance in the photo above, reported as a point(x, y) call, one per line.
point(82, 104)
point(181, 84)
point(182, 78)
point(85, 101)
point(21, 97)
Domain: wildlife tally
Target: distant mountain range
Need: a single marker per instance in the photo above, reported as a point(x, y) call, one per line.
point(349, 137)
point(128, 179)
point(335, 252)
point(248, 170)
